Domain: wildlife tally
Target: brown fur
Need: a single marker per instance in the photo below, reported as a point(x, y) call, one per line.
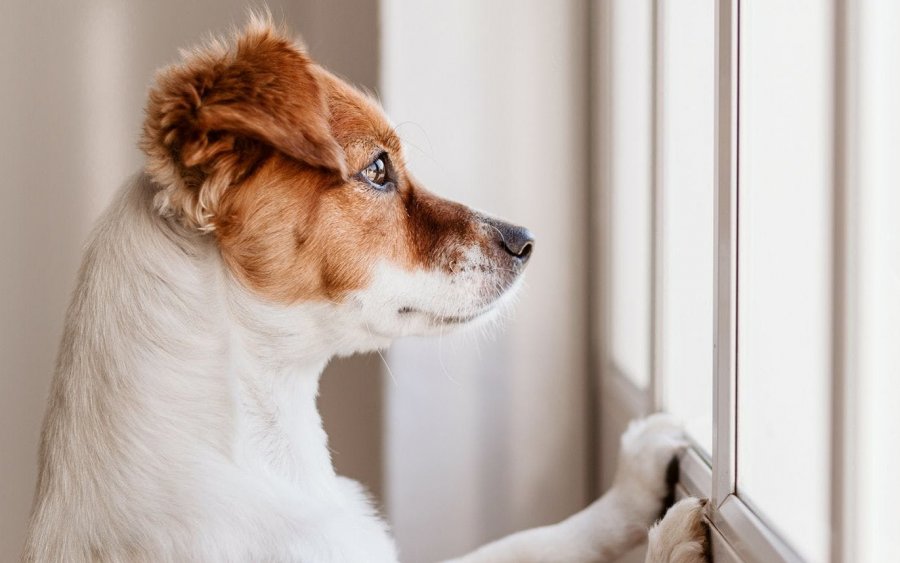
point(261, 146)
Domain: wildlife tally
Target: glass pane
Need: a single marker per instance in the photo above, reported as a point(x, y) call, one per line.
point(878, 279)
point(784, 268)
point(687, 220)
point(630, 189)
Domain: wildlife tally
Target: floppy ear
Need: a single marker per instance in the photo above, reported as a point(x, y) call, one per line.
point(211, 118)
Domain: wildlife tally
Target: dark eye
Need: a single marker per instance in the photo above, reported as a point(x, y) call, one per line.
point(377, 173)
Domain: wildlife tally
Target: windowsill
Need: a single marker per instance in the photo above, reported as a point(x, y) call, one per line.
point(736, 533)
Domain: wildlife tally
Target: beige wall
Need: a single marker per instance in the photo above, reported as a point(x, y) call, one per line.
point(72, 83)
point(487, 434)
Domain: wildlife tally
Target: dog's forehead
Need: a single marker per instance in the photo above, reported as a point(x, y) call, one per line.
point(357, 121)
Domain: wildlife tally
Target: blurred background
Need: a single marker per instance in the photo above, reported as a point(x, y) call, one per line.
point(619, 132)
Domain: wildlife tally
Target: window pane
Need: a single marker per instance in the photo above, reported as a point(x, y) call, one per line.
point(687, 220)
point(784, 268)
point(630, 189)
point(878, 278)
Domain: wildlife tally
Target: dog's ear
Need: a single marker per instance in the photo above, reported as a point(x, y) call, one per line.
point(212, 117)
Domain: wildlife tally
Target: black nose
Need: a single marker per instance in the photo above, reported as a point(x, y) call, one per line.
point(517, 241)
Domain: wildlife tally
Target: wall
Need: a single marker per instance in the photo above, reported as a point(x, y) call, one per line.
point(74, 77)
point(486, 434)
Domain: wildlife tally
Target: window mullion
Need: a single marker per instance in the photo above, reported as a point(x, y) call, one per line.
point(843, 283)
point(725, 277)
point(656, 264)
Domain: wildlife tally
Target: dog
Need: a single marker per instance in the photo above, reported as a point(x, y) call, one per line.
point(275, 226)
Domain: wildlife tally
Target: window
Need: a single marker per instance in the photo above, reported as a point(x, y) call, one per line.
point(685, 198)
point(762, 252)
point(784, 267)
point(873, 276)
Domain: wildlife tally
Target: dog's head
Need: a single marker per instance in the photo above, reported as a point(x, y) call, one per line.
point(301, 180)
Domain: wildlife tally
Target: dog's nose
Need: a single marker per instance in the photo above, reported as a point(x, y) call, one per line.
point(517, 241)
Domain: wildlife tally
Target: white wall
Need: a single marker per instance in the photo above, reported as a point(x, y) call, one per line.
point(71, 99)
point(487, 435)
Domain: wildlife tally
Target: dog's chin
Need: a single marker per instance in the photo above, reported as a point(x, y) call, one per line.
point(426, 323)
point(430, 323)
point(438, 319)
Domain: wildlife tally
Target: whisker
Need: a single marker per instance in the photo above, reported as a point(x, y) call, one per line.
point(443, 365)
point(380, 355)
point(430, 152)
point(387, 366)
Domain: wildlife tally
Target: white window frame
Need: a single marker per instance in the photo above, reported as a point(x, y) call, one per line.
point(738, 533)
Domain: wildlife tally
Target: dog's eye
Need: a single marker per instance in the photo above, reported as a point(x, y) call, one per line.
point(376, 174)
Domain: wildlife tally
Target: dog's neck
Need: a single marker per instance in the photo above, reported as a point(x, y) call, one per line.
point(178, 360)
point(278, 430)
point(275, 358)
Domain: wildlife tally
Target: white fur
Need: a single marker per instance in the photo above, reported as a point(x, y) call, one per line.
point(182, 423)
point(614, 523)
point(680, 537)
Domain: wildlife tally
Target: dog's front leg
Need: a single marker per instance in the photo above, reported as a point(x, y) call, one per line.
point(600, 532)
point(614, 523)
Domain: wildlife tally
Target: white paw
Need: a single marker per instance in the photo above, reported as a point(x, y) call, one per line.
point(647, 449)
point(681, 536)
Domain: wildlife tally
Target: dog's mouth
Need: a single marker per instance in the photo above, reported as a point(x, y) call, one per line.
point(444, 319)
point(464, 314)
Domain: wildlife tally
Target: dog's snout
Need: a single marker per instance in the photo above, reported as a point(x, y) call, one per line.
point(516, 241)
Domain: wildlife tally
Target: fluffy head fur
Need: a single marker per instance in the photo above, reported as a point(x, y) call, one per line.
point(221, 111)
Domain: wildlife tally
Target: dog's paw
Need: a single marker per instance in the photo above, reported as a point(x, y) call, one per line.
point(646, 458)
point(682, 536)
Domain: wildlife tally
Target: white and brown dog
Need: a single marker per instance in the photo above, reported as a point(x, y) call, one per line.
point(274, 227)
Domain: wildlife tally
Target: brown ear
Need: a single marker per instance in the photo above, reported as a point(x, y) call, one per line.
point(210, 118)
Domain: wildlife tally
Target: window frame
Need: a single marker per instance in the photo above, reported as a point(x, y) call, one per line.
point(738, 533)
